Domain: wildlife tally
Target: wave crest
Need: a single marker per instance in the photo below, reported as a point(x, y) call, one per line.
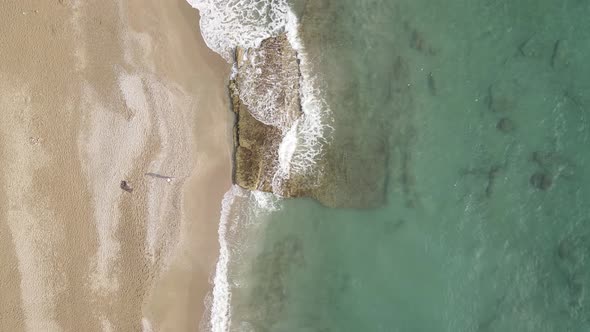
point(226, 24)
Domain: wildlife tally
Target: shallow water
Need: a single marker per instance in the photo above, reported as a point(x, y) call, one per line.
point(475, 114)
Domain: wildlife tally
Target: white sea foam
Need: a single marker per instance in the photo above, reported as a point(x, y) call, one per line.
point(245, 23)
point(263, 88)
point(265, 202)
point(220, 307)
point(302, 144)
point(313, 129)
point(287, 148)
point(242, 215)
point(226, 24)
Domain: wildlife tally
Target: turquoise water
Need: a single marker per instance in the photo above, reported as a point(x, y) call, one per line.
point(481, 109)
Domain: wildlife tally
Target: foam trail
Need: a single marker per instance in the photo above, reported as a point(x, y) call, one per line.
point(287, 148)
point(302, 144)
point(313, 129)
point(225, 25)
point(220, 310)
point(268, 91)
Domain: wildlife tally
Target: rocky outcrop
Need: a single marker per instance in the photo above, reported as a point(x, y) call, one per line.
point(256, 147)
point(265, 98)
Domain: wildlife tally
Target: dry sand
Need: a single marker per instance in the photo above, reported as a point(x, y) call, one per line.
point(93, 93)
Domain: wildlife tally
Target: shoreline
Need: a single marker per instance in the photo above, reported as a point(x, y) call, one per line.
point(211, 176)
point(200, 70)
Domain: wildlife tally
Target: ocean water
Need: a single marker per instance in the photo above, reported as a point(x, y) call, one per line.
point(477, 112)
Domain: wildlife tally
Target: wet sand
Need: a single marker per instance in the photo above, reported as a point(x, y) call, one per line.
point(92, 94)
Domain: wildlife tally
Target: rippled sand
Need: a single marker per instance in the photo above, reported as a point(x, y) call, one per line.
point(92, 94)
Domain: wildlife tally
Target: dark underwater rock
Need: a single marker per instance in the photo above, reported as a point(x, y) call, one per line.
point(541, 180)
point(505, 125)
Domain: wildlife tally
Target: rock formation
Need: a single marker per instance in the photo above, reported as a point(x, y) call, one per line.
point(265, 97)
point(268, 74)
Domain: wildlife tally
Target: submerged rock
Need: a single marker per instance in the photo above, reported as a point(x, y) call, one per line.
point(505, 125)
point(560, 58)
point(503, 96)
point(541, 180)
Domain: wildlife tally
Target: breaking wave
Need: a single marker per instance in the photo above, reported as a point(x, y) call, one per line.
point(220, 307)
point(225, 25)
point(242, 213)
point(313, 128)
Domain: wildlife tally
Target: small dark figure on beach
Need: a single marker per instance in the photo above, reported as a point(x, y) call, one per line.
point(125, 186)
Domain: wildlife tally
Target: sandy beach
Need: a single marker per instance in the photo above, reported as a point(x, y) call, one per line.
point(93, 93)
